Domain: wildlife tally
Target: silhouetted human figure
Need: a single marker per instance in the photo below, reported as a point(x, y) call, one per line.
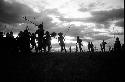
point(2, 41)
point(14, 44)
point(89, 46)
point(7, 35)
point(20, 41)
point(53, 34)
point(76, 48)
point(20, 34)
point(70, 49)
point(112, 50)
point(92, 47)
point(33, 38)
point(109, 48)
point(79, 41)
point(11, 35)
point(95, 49)
point(117, 45)
point(103, 46)
point(123, 46)
point(40, 38)
point(1, 35)
point(61, 41)
point(48, 41)
point(10, 43)
point(26, 41)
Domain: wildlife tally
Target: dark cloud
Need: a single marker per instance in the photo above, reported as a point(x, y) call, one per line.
point(120, 23)
point(10, 12)
point(94, 36)
point(100, 17)
point(103, 17)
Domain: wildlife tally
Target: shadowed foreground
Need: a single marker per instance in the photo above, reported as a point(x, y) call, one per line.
point(69, 67)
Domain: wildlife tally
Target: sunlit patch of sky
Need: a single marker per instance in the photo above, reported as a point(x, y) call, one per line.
point(55, 19)
point(89, 38)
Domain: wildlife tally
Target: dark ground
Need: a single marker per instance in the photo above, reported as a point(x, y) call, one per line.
point(60, 67)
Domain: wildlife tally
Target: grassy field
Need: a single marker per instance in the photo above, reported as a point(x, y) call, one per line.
point(65, 67)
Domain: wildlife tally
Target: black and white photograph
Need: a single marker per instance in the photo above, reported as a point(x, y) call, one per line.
point(62, 40)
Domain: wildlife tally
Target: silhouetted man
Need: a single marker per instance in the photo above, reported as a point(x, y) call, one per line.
point(20, 41)
point(109, 48)
point(76, 48)
point(79, 41)
point(117, 45)
point(33, 37)
point(123, 48)
point(103, 46)
point(89, 46)
point(48, 41)
point(61, 41)
point(1, 41)
point(70, 49)
point(10, 43)
point(26, 40)
point(7, 35)
point(11, 34)
point(53, 34)
point(40, 38)
point(92, 47)
point(1, 35)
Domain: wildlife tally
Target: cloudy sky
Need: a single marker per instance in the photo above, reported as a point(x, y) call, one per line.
point(92, 20)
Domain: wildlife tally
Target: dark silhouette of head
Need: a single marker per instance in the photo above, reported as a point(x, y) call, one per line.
point(60, 34)
point(117, 39)
point(77, 37)
point(11, 33)
point(40, 26)
point(33, 34)
point(1, 34)
point(53, 34)
point(47, 32)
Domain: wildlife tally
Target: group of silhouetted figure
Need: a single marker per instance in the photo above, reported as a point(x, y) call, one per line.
point(26, 41)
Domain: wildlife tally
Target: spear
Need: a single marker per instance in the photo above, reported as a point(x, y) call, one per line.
point(29, 21)
point(114, 32)
point(67, 30)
